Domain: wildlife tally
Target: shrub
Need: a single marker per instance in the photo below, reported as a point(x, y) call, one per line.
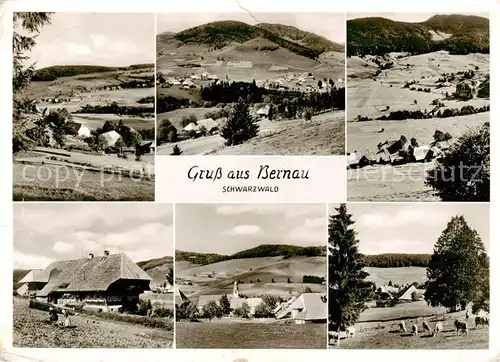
point(163, 313)
point(463, 174)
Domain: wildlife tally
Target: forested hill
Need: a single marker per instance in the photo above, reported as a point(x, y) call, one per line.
point(222, 33)
point(261, 251)
point(59, 71)
point(458, 34)
point(396, 260)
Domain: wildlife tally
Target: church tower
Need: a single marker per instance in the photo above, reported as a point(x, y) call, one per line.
point(235, 290)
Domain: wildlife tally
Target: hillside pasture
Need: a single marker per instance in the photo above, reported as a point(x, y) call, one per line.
point(237, 335)
point(378, 328)
point(31, 328)
point(400, 276)
point(218, 278)
point(52, 182)
point(324, 135)
point(402, 182)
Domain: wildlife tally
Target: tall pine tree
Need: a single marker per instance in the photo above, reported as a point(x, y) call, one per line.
point(240, 126)
point(348, 289)
point(458, 271)
point(26, 28)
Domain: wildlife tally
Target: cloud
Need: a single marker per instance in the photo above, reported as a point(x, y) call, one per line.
point(62, 247)
point(30, 261)
point(313, 231)
point(318, 222)
point(245, 230)
point(75, 49)
point(288, 210)
point(405, 216)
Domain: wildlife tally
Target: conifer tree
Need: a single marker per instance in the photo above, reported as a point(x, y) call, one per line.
point(458, 268)
point(348, 289)
point(176, 151)
point(225, 304)
point(26, 28)
point(240, 126)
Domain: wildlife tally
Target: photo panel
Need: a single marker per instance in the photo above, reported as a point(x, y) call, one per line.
point(250, 276)
point(89, 275)
point(83, 110)
point(418, 107)
point(409, 276)
point(250, 84)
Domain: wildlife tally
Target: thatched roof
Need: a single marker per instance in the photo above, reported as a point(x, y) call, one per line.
point(95, 274)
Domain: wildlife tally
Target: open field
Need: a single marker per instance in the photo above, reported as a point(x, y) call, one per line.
point(374, 98)
point(78, 175)
point(32, 329)
point(324, 135)
point(400, 276)
point(378, 328)
point(250, 335)
point(218, 278)
point(60, 181)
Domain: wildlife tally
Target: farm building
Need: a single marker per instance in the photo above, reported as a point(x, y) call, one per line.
point(252, 303)
point(32, 282)
point(263, 112)
point(407, 294)
point(208, 123)
point(79, 129)
point(104, 282)
point(110, 138)
point(180, 298)
point(309, 308)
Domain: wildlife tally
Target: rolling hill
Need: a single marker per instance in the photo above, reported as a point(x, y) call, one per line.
point(58, 71)
point(223, 33)
point(157, 268)
point(261, 251)
point(458, 34)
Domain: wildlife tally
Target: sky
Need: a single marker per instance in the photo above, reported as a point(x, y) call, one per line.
point(328, 25)
point(407, 17)
point(229, 228)
point(46, 232)
point(95, 39)
point(411, 228)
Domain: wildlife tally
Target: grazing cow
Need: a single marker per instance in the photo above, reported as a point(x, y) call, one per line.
point(426, 326)
point(402, 326)
point(414, 329)
point(351, 331)
point(481, 321)
point(438, 328)
point(461, 327)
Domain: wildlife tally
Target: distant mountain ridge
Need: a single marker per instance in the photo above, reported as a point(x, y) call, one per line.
point(376, 35)
point(261, 251)
point(221, 33)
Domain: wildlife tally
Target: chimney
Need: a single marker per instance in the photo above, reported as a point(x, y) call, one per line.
point(91, 256)
point(106, 252)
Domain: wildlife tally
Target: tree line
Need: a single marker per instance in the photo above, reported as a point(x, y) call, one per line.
point(115, 108)
point(396, 260)
point(261, 251)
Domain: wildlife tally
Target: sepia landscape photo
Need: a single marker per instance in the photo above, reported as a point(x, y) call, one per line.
point(418, 107)
point(83, 107)
point(250, 84)
point(250, 276)
point(409, 276)
point(93, 276)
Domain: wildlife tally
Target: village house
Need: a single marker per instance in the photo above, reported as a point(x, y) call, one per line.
point(32, 282)
point(106, 282)
point(307, 308)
